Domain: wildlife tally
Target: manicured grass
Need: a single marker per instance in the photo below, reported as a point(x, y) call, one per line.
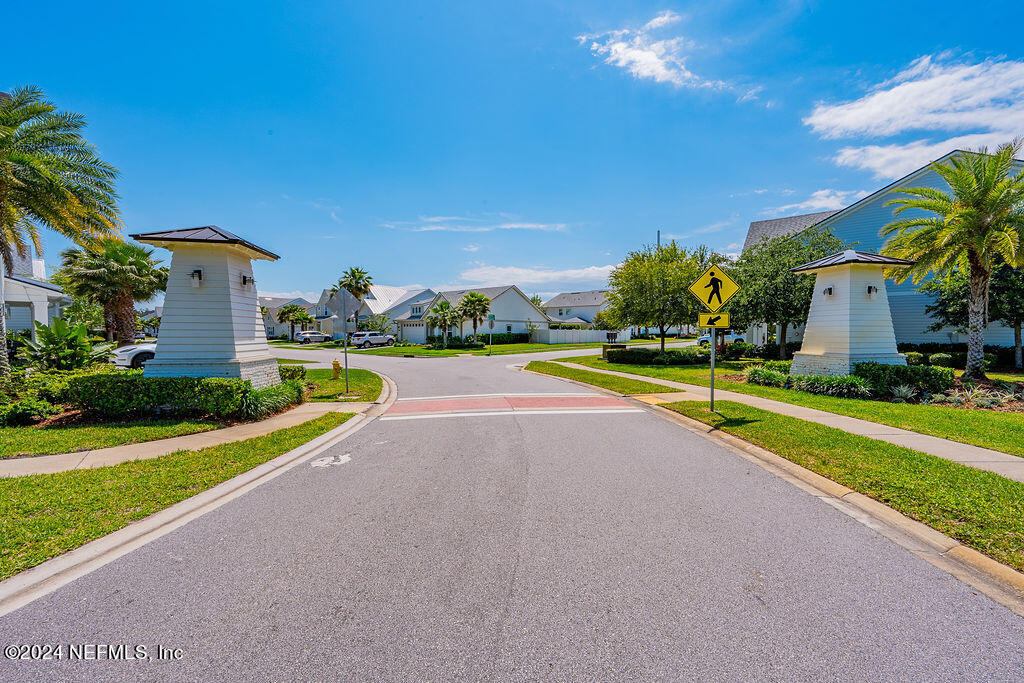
point(45, 515)
point(413, 350)
point(619, 384)
point(49, 440)
point(363, 385)
point(1003, 375)
point(980, 509)
point(999, 431)
point(293, 361)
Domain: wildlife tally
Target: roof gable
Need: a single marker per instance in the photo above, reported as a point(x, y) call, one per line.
point(778, 227)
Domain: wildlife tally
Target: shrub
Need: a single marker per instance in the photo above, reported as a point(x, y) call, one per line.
point(914, 358)
point(25, 412)
point(258, 404)
point(128, 393)
point(771, 350)
point(882, 378)
point(757, 374)
point(635, 356)
point(942, 360)
point(290, 372)
point(737, 350)
point(782, 366)
point(62, 347)
point(52, 385)
point(844, 386)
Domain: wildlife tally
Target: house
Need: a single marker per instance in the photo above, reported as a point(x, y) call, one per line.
point(28, 297)
point(273, 305)
point(513, 312)
point(576, 307)
point(383, 300)
point(859, 225)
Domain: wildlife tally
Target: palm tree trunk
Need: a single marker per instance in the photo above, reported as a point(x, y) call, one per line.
point(124, 319)
point(1017, 359)
point(978, 285)
point(782, 340)
point(5, 364)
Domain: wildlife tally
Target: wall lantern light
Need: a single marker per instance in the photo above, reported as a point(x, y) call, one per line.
point(827, 291)
point(872, 290)
point(196, 276)
point(247, 280)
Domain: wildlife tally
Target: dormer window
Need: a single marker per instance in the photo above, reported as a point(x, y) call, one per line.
point(417, 310)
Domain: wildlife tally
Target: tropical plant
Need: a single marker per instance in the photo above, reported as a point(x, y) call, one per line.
point(302, 319)
point(289, 314)
point(537, 301)
point(474, 306)
point(50, 177)
point(443, 316)
point(972, 227)
point(358, 282)
point(62, 347)
point(114, 275)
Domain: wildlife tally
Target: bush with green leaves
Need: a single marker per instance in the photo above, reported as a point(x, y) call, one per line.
point(62, 347)
point(941, 360)
point(52, 385)
point(128, 393)
point(25, 411)
point(914, 358)
point(783, 366)
point(843, 386)
point(638, 356)
point(289, 372)
point(737, 350)
point(758, 374)
point(260, 403)
point(882, 378)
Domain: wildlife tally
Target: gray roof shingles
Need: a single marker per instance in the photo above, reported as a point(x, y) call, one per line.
point(593, 297)
point(777, 227)
point(205, 233)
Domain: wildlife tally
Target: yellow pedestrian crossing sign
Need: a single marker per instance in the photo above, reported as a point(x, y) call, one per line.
point(716, 320)
point(714, 288)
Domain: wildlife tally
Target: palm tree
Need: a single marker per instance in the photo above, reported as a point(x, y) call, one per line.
point(50, 177)
point(474, 306)
point(113, 274)
point(973, 227)
point(444, 316)
point(357, 281)
point(290, 314)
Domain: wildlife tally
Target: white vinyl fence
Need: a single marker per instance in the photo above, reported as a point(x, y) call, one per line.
point(577, 336)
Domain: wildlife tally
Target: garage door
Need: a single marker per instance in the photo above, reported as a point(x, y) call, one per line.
point(416, 333)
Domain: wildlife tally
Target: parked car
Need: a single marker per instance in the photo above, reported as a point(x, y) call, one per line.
point(365, 340)
point(730, 337)
point(133, 355)
point(312, 337)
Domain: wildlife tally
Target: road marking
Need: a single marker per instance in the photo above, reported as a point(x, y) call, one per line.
point(428, 398)
point(330, 460)
point(493, 413)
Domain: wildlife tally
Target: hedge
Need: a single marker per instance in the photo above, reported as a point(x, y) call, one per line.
point(640, 356)
point(882, 378)
point(289, 372)
point(844, 386)
point(757, 374)
point(128, 393)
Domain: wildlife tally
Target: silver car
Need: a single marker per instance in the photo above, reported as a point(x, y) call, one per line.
point(365, 340)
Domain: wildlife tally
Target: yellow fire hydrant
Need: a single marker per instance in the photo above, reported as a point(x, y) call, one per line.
point(337, 369)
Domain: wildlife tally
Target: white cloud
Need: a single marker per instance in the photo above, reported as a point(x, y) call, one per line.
point(821, 200)
point(449, 227)
point(704, 230)
point(471, 248)
point(645, 56)
point(308, 296)
point(500, 275)
point(961, 104)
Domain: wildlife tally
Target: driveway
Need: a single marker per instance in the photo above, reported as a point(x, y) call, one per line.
point(503, 525)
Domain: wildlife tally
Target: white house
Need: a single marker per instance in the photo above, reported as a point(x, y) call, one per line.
point(576, 307)
point(274, 304)
point(28, 297)
point(513, 312)
point(382, 300)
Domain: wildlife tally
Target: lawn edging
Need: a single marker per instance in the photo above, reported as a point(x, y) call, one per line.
point(46, 577)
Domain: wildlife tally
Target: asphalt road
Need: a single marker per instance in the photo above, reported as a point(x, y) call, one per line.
point(524, 546)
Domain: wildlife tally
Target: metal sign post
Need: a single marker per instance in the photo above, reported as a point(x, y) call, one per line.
point(490, 335)
point(714, 288)
point(344, 333)
point(714, 339)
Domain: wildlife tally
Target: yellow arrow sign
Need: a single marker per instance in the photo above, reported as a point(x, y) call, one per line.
point(718, 320)
point(714, 288)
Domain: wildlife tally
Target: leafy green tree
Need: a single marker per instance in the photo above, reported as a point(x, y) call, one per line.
point(443, 316)
point(650, 287)
point(83, 312)
point(537, 301)
point(50, 177)
point(113, 274)
point(974, 226)
point(302, 319)
point(379, 322)
point(602, 321)
point(290, 314)
point(474, 306)
point(358, 282)
point(1005, 296)
point(62, 347)
point(769, 292)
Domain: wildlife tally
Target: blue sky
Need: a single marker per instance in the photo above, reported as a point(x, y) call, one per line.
point(465, 143)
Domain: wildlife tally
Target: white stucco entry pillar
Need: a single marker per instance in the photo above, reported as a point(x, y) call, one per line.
point(211, 324)
point(849, 321)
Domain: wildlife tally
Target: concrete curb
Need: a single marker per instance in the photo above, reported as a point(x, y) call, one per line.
point(31, 584)
point(1003, 584)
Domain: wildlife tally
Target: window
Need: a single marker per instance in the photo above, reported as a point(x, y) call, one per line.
point(417, 310)
point(508, 328)
point(568, 311)
point(560, 311)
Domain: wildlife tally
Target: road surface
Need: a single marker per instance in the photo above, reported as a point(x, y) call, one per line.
point(545, 531)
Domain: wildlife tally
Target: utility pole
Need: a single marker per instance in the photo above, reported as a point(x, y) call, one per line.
point(659, 239)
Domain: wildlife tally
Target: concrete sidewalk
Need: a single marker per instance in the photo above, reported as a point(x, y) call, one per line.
point(101, 457)
point(1009, 466)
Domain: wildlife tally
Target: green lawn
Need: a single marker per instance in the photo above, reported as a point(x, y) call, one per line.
point(45, 515)
point(980, 509)
point(619, 384)
point(293, 361)
point(363, 385)
point(1002, 375)
point(49, 440)
point(412, 350)
point(985, 428)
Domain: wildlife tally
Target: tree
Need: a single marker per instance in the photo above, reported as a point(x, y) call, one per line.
point(83, 312)
point(972, 227)
point(379, 322)
point(302, 319)
point(474, 306)
point(649, 288)
point(602, 321)
point(357, 281)
point(289, 314)
point(443, 316)
point(952, 292)
point(537, 301)
point(114, 275)
point(50, 177)
point(769, 292)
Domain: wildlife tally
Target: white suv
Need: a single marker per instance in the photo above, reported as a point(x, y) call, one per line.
point(730, 337)
point(365, 340)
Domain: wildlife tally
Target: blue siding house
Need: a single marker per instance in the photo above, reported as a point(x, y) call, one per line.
point(859, 224)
